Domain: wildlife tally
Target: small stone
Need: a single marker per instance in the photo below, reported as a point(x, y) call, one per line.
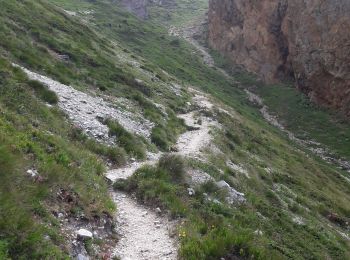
point(158, 210)
point(223, 184)
point(32, 173)
point(191, 192)
point(168, 253)
point(84, 234)
point(258, 232)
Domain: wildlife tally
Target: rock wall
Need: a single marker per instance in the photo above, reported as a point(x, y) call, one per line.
point(304, 40)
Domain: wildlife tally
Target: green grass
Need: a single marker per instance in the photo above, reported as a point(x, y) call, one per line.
point(296, 112)
point(43, 92)
point(114, 154)
point(37, 136)
point(307, 120)
point(133, 145)
point(178, 13)
point(205, 232)
point(165, 134)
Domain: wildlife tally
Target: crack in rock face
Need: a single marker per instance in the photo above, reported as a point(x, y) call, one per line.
point(87, 112)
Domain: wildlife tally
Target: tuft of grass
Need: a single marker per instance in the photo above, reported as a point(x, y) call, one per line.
point(174, 165)
point(33, 136)
point(116, 155)
point(164, 135)
point(209, 230)
point(43, 92)
point(132, 144)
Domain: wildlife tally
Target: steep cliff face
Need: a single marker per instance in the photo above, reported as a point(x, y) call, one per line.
point(307, 40)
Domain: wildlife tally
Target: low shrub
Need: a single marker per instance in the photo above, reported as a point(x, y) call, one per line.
point(160, 138)
point(174, 165)
point(164, 135)
point(117, 155)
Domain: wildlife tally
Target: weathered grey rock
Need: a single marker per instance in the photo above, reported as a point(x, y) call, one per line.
point(191, 192)
point(84, 234)
point(32, 173)
point(233, 195)
point(223, 184)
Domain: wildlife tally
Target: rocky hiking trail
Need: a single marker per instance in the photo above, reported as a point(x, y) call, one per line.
point(189, 33)
point(144, 233)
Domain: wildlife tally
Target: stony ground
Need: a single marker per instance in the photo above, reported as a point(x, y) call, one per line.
point(143, 232)
point(88, 111)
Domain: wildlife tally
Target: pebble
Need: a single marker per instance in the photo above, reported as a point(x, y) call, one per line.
point(84, 234)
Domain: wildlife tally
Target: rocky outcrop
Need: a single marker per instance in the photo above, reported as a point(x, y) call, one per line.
point(304, 40)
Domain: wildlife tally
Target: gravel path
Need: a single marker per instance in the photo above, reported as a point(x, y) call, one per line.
point(190, 143)
point(321, 151)
point(144, 234)
point(87, 111)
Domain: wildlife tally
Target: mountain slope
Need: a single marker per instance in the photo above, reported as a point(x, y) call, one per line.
point(296, 205)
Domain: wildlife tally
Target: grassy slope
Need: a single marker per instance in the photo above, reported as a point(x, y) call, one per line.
point(178, 12)
point(213, 231)
point(317, 188)
point(306, 119)
point(35, 136)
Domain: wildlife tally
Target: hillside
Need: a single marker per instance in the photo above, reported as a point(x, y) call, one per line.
point(110, 125)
